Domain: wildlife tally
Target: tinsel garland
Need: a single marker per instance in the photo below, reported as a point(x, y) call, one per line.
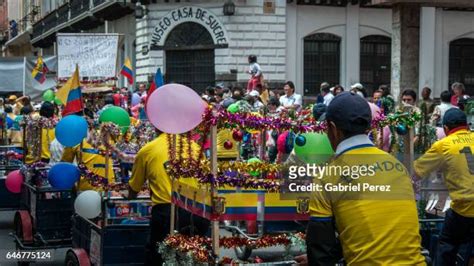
point(408, 119)
point(199, 249)
point(222, 118)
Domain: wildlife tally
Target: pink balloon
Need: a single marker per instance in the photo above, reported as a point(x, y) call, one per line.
point(175, 108)
point(14, 181)
point(440, 133)
point(375, 110)
point(281, 142)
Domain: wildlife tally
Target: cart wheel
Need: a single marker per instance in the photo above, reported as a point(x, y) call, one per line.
point(243, 253)
point(23, 226)
point(77, 257)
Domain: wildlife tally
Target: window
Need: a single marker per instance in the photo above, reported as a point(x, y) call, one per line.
point(375, 61)
point(321, 61)
point(461, 63)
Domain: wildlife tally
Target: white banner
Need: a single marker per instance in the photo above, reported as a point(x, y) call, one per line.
point(96, 55)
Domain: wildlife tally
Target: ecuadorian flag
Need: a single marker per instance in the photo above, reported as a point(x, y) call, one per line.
point(70, 94)
point(40, 70)
point(127, 70)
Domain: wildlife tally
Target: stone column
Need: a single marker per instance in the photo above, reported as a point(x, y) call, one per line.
point(427, 50)
point(405, 48)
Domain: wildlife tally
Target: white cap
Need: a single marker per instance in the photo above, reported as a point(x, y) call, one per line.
point(254, 93)
point(331, 89)
point(357, 86)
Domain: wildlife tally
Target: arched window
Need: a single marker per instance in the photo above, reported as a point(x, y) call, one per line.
point(461, 63)
point(375, 61)
point(322, 54)
point(189, 51)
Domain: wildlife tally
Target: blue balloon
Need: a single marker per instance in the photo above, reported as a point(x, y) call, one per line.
point(71, 130)
point(63, 175)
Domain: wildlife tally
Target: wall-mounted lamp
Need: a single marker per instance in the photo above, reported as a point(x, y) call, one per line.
point(140, 11)
point(229, 8)
point(145, 49)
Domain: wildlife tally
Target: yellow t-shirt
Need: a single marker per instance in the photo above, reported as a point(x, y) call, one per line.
point(453, 154)
point(93, 160)
point(47, 136)
point(150, 166)
point(223, 136)
point(375, 228)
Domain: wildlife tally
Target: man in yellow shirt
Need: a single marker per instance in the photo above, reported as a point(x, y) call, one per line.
point(47, 136)
point(371, 205)
point(150, 165)
point(453, 154)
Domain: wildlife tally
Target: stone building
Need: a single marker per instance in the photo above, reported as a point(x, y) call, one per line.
point(406, 44)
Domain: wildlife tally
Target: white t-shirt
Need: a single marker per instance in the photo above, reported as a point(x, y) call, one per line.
point(286, 101)
point(328, 98)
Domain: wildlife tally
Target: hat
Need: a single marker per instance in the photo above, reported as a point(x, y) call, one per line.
point(254, 93)
point(220, 85)
point(349, 112)
point(12, 98)
point(454, 117)
point(357, 86)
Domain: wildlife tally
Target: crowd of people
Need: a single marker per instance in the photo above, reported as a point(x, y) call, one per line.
point(348, 115)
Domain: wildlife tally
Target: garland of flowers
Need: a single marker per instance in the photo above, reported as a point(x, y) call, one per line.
point(408, 119)
point(198, 249)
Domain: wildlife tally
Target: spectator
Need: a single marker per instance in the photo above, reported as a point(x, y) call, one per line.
point(458, 98)
point(322, 87)
point(427, 104)
point(338, 89)
point(257, 105)
point(256, 73)
point(440, 110)
point(327, 95)
point(388, 102)
point(409, 97)
point(377, 97)
point(359, 89)
point(290, 100)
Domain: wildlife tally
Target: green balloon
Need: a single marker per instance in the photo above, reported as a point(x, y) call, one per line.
point(233, 108)
point(48, 96)
point(117, 116)
point(57, 101)
point(254, 160)
point(317, 148)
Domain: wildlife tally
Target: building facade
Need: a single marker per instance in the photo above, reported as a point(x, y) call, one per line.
point(309, 42)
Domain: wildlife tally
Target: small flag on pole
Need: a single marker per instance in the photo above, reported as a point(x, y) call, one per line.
point(127, 70)
point(40, 70)
point(70, 94)
point(157, 82)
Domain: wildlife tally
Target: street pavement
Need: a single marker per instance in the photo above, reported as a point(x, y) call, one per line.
point(7, 244)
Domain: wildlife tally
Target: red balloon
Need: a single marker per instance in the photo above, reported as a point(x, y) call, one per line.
point(237, 135)
point(228, 144)
point(14, 181)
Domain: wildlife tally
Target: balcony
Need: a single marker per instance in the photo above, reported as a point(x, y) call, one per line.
point(63, 14)
point(113, 11)
point(79, 7)
point(50, 21)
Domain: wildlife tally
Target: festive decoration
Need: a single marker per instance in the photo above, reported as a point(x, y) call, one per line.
point(401, 129)
point(175, 109)
point(228, 144)
point(88, 204)
point(199, 249)
point(63, 175)
point(406, 118)
point(117, 116)
point(48, 96)
point(233, 108)
point(14, 181)
point(251, 161)
point(300, 140)
point(71, 130)
point(237, 135)
point(317, 149)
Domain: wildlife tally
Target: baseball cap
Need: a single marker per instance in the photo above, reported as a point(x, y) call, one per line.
point(453, 117)
point(254, 93)
point(349, 112)
point(357, 86)
point(12, 98)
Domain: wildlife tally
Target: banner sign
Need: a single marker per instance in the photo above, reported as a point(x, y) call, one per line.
point(96, 54)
